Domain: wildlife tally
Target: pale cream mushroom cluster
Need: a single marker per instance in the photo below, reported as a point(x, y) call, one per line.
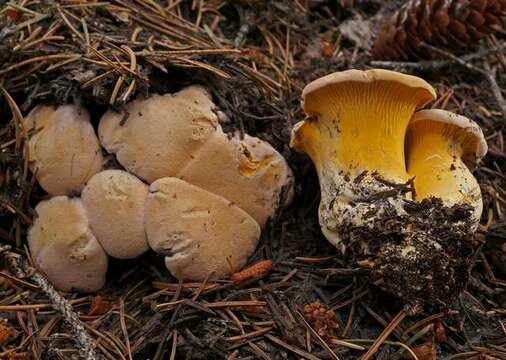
point(188, 190)
point(377, 160)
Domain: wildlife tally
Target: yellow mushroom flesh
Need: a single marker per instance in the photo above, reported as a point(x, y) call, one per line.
point(442, 149)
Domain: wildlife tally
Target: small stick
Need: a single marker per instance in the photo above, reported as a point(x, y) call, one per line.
point(124, 328)
point(383, 336)
point(174, 346)
point(320, 339)
point(436, 64)
point(291, 348)
point(83, 340)
point(490, 74)
point(37, 59)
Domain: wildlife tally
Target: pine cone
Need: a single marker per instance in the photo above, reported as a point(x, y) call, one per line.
point(7, 333)
point(451, 24)
point(321, 318)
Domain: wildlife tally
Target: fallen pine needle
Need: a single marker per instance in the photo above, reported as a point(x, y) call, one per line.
point(383, 336)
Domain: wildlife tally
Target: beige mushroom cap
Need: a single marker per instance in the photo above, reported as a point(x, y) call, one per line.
point(311, 94)
point(114, 201)
point(64, 248)
point(248, 172)
point(157, 136)
point(179, 136)
point(275, 174)
point(200, 233)
point(470, 135)
point(63, 149)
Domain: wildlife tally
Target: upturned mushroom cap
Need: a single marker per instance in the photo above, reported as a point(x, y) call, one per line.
point(461, 132)
point(114, 201)
point(316, 92)
point(442, 149)
point(249, 172)
point(179, 136)
point(64, 248)
point(158, 136)
point(358, 119)
point(64, 151)
point(200, 233)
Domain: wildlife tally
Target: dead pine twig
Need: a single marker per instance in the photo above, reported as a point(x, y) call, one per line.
point(81, 337)
point(313, 332)
point(384, 335)
point(436, 64)
point(291, 348)
point(124, 327)
point(488, 73)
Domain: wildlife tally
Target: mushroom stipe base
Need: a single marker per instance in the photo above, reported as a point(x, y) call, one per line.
point(423, 257)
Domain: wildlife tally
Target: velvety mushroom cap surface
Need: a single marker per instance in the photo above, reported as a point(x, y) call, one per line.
point(261, 159)
point(158, 136)
point(179, 136)
point(64, 151)
point(64, 248)
point(200, 233)
point(249, 172)
point(442, 149)
point(114, 201)
point(357, 120)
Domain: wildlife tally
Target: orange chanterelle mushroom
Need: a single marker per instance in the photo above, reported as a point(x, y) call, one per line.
point(354, 132)
point(396, 185)
point(442, 149)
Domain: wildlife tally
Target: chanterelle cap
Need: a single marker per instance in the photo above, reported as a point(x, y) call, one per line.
point(114, 201)
point(64, 151)
point(312, 93)
point(201, 234)
point(467, 133)
point(442, 149)
point(357, 120)
point(64, 248)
